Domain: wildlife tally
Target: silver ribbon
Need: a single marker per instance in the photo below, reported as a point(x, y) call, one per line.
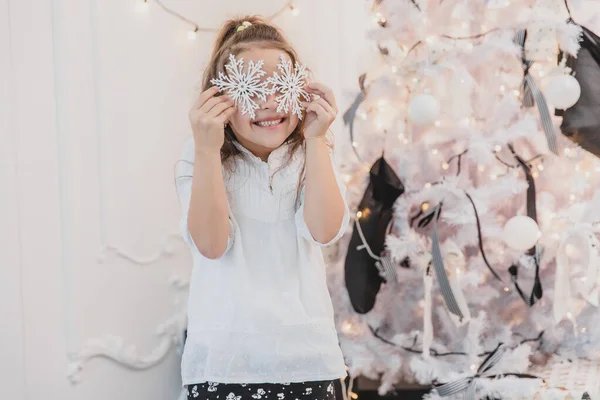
point(383, 263)
point(386, 268)
point(532, 95)
point(468, 384)
point(440, 269)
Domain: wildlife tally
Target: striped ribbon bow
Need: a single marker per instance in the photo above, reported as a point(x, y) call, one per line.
point(468, 384)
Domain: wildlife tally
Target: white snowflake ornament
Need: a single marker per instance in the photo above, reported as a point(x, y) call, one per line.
point(290, 85)
point(243, 87)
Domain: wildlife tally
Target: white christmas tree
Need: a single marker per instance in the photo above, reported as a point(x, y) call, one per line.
point(494, 243)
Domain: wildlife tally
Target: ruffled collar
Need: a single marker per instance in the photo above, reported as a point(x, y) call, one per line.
point(278, 163)
point(277, 154)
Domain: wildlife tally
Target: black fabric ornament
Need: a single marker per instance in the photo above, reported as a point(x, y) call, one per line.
point(363, 279)
point(581, 123)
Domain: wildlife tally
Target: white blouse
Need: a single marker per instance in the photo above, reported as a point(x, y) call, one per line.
point(262, 312)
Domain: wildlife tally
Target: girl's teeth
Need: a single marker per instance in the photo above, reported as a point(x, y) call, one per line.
point(268, 123)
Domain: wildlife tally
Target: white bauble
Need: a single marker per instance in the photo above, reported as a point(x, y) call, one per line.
point(423, 109)
point(521, 232)
point(562, 91)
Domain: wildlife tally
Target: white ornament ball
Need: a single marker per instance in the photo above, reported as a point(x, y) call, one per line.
point(423, 109)
point(562, 91)
point(521, 233)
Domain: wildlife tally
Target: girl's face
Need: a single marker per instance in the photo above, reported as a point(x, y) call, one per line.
point(269, 129)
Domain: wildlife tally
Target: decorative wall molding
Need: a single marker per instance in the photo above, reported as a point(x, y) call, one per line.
point(115, 349)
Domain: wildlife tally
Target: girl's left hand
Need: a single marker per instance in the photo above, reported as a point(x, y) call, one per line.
point(320, 113)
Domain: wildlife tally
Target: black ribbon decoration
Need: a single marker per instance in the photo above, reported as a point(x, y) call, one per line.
point(535, 252)
point(480, 239)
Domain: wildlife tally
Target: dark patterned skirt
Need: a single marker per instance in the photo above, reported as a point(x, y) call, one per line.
point(317, 390)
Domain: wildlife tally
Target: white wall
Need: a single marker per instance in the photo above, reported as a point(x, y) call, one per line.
point(93, 111)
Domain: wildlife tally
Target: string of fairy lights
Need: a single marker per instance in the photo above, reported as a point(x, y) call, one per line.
point(143, 6)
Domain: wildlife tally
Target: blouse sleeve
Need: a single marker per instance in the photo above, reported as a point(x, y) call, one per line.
point(184, 171)
point(299, 217)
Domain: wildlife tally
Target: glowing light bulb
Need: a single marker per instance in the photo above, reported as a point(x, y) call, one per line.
point(295, 11)
point(347, 178)
point(497, 148)
point(541, 167)
point(506, 289)
point(535, 174)
point(353, 395)
point(359, 214)
point(427, 185)
point(354, 144)
point(347, 327)
point(425, 206)
point(434, 151)
point(445, 165)
point(567, 151)
point(192, 35)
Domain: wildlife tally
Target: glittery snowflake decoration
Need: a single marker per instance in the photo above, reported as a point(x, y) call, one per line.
point(290, 85)
point(243, 87)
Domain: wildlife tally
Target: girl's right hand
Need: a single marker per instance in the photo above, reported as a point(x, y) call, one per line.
point(208, 117)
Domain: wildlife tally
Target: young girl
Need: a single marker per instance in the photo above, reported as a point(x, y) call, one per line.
point(260, 196)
